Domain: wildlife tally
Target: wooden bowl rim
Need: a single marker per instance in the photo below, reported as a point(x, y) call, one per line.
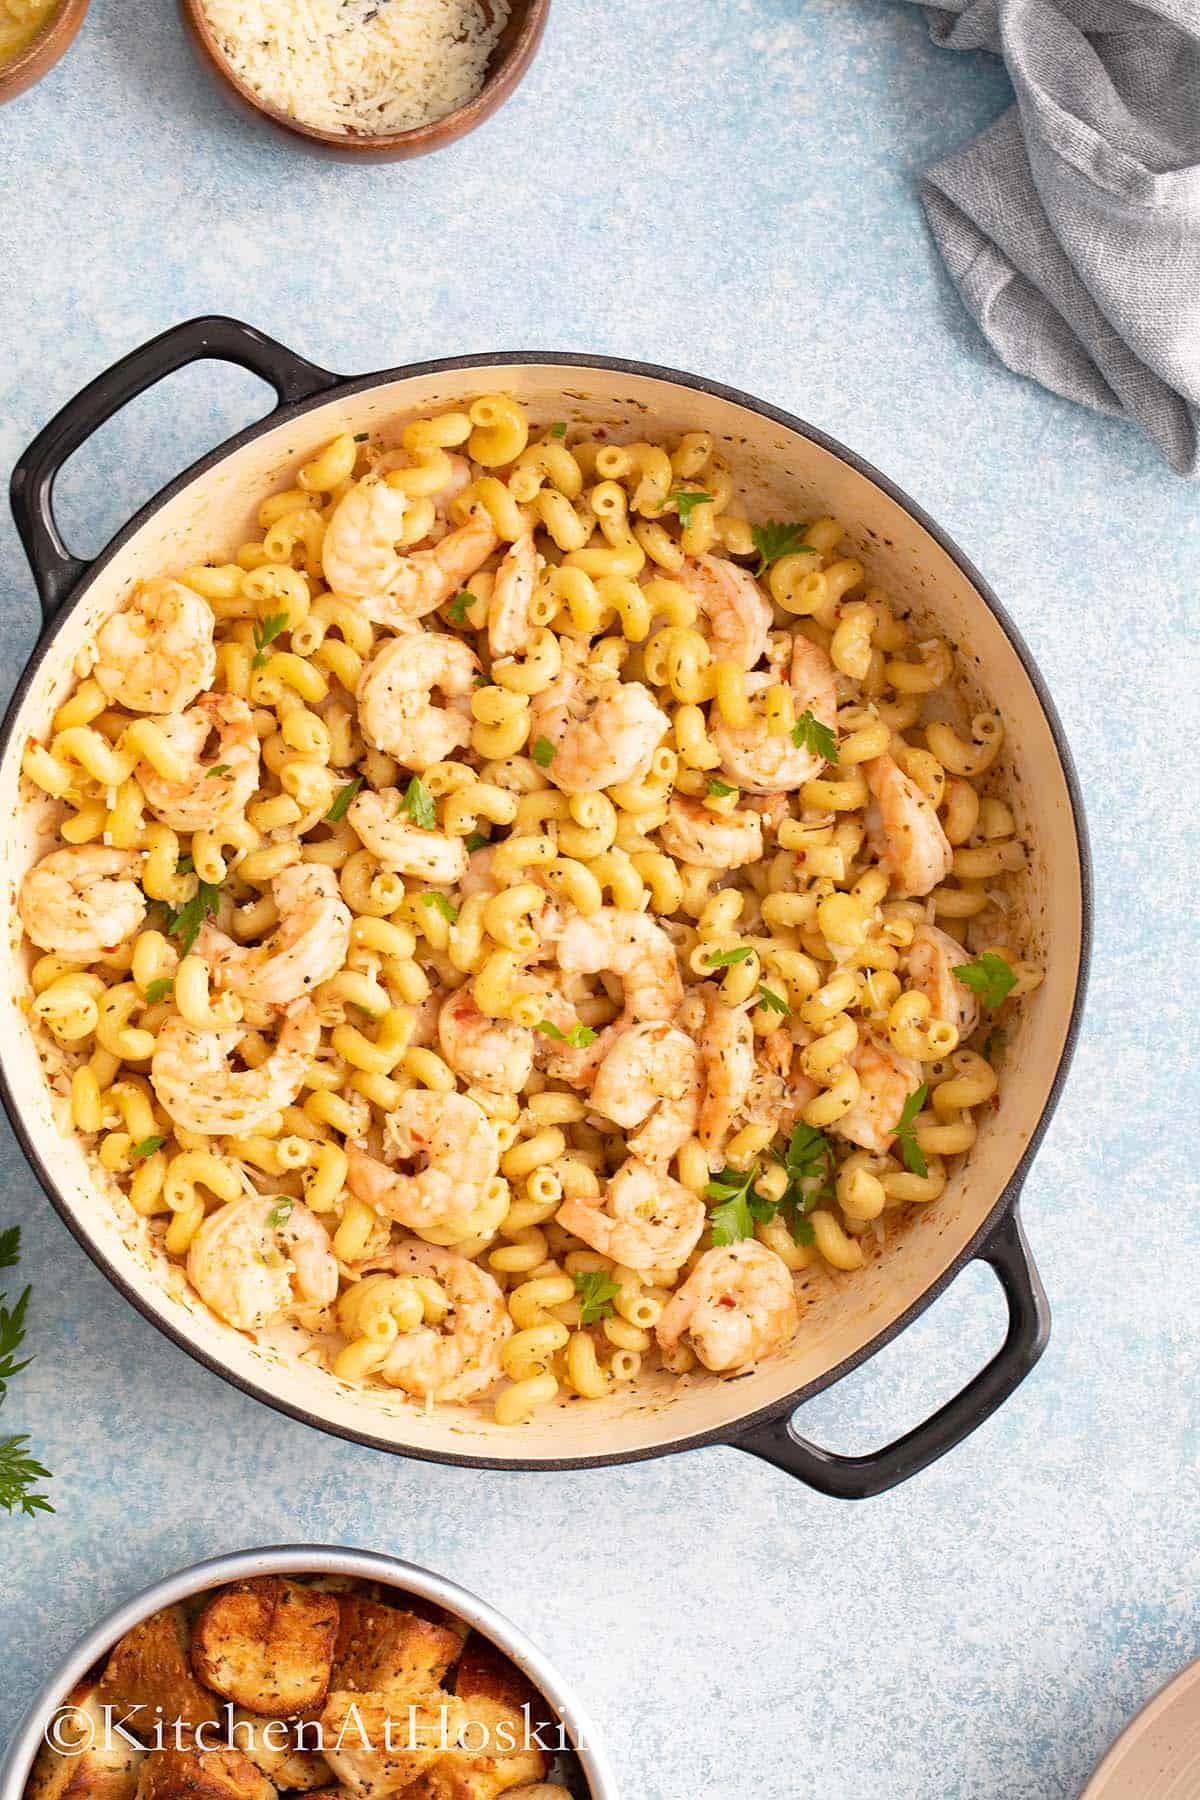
point(46, 49)
point(430, 136)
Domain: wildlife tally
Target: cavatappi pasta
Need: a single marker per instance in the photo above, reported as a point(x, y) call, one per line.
point(519, 912)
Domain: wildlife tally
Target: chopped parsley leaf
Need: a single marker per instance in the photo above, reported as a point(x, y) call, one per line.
point(809, 734)
point(342, 799)
point(725, 959)
point(418, 804)
point(184, 922)
point(597, 1290)
point(774, 540)
point(579, 1036)
point(911, 1153)
point(443, 904)
point(265, 633)
point(686, 502)
point(989, 976)
point(146, 1147)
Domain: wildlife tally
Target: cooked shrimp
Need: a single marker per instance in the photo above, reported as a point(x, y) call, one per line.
point(633, 947)
point(217, 735)
point(651, 1078)
point(510, 627)
point(727, 1057)
point(489, 1053)
point(83, 901)
point(158, 654)
point(603, 731)
point(395, 705)
point(191, 1076)
point(711, 840)
point(458, 1358)
point(737, 610)
point(737, 1306)
point(765, 764)
point(308, 947)
point(576, 1064)
point(363, 562)
point(645, 1220)
point(886, 1079)
point(398, 844)
point(258, 1259)
point(454, 1145)
point(779, 1089)
point(932, 958)
point(904, 829)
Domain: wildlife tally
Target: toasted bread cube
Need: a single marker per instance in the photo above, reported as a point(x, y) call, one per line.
point(147, 1681)
point(379, 1744)
point(485, 1673)
point(283, 1749)
point(105, 1767)
point(201, 1775)
point(496, 1754)
point(267, 1645)
point(381, 1649)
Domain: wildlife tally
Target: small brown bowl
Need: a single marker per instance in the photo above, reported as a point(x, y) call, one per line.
point(38, 58)
point(512, 55)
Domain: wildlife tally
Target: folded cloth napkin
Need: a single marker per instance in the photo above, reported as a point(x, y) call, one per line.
point(1071, 227)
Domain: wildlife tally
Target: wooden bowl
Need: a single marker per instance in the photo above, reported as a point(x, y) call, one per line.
point(512, 55)
point(38, 58)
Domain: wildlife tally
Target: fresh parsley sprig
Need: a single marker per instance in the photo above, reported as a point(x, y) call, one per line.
point(686, 501)
point(720, 790)
point(542, 752)
point(808, 733)
point(456, 611)
point(441, 903)
point(911, 1153)
point(579, 1036)
point(418, 803)
point(597, 1291)
point(146, 1147)
point(738, 1206)
point(19, 1471)
point(281, 1212)
point(184, 922)
point(726, 959)
point(774, 540)
point(265, 633)
point(808, 1161)
point(770, 1001)
point(342, 799)
point(989, 976)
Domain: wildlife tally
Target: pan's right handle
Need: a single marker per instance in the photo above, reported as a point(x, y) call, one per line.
point(215, 339)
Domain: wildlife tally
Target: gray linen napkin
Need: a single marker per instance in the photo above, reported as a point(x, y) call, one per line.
point(1071, 227)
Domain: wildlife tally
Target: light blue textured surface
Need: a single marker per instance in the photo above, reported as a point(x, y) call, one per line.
point(728, 188)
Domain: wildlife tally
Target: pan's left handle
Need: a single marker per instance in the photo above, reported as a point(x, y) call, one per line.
point(215, 339)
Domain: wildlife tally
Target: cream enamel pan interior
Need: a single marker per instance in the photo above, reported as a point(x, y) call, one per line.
point(785, 471)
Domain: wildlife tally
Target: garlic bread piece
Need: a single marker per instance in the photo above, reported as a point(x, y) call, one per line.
point(267, 1645)
point(382, 1648)
point(147, 1680)
point(91, 1764)
point(201, 1775)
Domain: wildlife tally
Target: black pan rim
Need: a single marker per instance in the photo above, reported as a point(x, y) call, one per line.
point(731, 1433)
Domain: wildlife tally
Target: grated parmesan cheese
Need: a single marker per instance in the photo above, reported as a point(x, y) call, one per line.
point(362, 66)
